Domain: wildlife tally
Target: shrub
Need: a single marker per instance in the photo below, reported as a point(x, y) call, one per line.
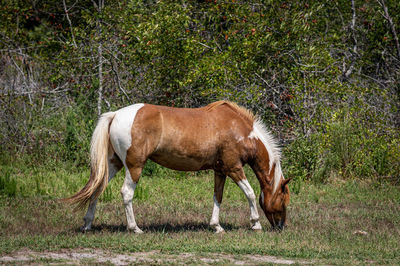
point(345, 150)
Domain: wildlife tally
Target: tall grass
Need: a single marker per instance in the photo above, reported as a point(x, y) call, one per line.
point(8, 185)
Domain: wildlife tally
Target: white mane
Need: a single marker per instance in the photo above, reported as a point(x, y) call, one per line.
point(260, 132)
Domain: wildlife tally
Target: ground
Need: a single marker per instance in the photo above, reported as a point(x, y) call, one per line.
point(85, 256)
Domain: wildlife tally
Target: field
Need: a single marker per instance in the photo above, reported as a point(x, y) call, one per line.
point(342, 222)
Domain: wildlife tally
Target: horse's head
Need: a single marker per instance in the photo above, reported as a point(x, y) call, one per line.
point(274, 203)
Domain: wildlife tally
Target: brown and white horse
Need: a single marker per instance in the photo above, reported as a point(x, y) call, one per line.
point(221, 136)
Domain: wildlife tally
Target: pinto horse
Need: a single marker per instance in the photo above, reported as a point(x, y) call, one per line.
point(221, 136)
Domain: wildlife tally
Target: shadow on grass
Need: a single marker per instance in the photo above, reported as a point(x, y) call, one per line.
point(160, 228)
point(186, 227)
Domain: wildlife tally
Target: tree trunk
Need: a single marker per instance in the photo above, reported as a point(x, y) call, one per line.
point(100, 58)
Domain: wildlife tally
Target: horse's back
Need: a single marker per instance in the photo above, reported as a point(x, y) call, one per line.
point(183, 138)
point(187, 140)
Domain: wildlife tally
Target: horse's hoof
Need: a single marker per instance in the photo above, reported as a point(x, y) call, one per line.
point(257, 230)
point(85, 229)
point(219, 230)
point(256, 227)
point(136, 230)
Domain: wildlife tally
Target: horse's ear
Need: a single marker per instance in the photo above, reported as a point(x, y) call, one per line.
point(284, 183)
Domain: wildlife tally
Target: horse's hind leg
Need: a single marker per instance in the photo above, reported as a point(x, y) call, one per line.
point(132, 176)
point(219, 182)
point(114, 165)
point(239, 177)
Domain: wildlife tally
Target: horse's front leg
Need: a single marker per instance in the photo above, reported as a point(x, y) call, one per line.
point(240, 179)
point(219, 182)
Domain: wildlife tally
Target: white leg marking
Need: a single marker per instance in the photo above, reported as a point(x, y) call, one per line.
point(248, 190)
point(215, 217)
point(89, 217)
point(127, 192)
point(121, 128)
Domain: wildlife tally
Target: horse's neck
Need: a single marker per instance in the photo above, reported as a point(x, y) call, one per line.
point(263, 171)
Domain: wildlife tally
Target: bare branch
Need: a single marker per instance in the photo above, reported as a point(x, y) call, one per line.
point(347, 72)
point(353, 25)
point(70, 24)
point(118, 80)
point(203, 44)
point(100, 57)
point(391, 25)
point(266, 83)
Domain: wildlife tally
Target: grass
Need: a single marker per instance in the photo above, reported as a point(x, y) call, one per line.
point(174, 210)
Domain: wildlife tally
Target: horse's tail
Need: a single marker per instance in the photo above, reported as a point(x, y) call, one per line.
point(100, 147)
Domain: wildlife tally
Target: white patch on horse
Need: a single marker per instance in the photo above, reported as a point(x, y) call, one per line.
point(248, 190)
point(215, 214)
point(271, 145)
point(121, 139)
point(215, 217)
point(121, 128)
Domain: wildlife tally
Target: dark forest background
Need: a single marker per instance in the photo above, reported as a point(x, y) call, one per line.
point(323, 75)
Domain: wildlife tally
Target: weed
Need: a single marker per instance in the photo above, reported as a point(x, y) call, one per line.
point(151, 169)
point(141, 193)
point(8, 185)
point(107, 195)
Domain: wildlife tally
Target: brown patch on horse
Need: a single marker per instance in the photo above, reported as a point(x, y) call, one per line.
point(219, 183)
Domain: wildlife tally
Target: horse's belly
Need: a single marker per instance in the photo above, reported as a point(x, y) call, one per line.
point(182, 162)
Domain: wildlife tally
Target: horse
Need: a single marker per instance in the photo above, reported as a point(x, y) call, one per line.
point(221, 136)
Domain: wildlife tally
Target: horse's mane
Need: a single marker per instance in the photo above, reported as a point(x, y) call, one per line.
point(240, 110)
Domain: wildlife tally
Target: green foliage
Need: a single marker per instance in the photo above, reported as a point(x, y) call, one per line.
point(107, 195)
point(141, 193)
point(345, 150)
point(302, 67)
point(78, 130)
point(301, 159)
point(8, 185)
point(151, 169)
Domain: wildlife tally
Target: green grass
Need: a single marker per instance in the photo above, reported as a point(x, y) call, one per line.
point(174, 210)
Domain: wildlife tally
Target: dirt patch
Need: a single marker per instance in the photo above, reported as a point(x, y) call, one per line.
point(85, 256)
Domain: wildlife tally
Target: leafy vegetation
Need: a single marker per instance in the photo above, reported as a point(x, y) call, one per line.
point(323, 75)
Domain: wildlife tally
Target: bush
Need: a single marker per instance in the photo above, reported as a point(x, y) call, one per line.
point(345, 150)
